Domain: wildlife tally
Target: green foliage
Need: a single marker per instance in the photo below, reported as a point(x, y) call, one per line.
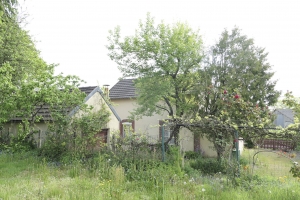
point(75, 135)
point(295, 170)
point(248, 181)
point(293, 103)
point(233, 58)
point(53, 148)
point(28, 176)
point(7, 9)
point(133, 152)
point(164, 59)
point(174, 158)
point(208, 166)
point(28, 83)
point(226, 102)
point(249, 144)
point(22, 141)
point(192, 155)
point(292, 131)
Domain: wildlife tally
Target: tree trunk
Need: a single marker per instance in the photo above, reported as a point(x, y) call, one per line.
point(175, 133)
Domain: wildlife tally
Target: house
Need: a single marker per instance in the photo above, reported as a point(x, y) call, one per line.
point(284, 117)
point(95, 97)
point(123, 97)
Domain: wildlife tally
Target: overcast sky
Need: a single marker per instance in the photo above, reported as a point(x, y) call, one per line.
point(73, 33)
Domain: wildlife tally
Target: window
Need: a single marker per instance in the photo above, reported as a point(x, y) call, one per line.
point(126, 127)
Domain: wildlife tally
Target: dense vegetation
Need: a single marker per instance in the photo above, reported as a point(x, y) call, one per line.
point(121, 176)
point(198, 91)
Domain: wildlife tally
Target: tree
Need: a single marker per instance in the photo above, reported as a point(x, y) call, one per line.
point(27, 82)
point(293, 103)
point(7, 9)
point(164, 59)
point(235, 69)
point(235, 63)
point(234, 115)
point(19, 60)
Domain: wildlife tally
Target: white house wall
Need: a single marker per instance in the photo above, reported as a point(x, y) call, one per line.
point(146, 125)
point(150, 125)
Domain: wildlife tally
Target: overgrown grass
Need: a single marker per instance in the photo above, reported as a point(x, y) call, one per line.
point(26, 176)
point(270, 164)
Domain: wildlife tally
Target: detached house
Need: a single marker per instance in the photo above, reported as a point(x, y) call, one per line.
point(95, 97)
point(123, 96)
point(284, 117)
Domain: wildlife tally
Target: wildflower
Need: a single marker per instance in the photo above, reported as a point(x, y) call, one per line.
point(203, 190)
point(236, 96)
point(295, 163)
point(270, 191)
point(184, 183)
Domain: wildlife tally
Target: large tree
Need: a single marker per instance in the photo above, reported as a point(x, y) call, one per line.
point(164, 59)
point(235, 63)
point(235, 69)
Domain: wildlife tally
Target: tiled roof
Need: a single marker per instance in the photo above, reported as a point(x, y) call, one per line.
point(87, 90)
point(124, 89)
point(43, 110)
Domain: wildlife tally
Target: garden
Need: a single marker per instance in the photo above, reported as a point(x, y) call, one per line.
point(132, 174)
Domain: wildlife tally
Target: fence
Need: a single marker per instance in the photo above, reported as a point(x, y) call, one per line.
point(277, 144)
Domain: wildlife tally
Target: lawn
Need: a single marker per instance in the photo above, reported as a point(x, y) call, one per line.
point(26, 176)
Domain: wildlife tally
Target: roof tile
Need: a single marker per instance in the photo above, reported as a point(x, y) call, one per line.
point(124, 89)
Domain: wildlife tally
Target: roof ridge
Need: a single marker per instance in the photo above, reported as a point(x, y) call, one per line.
point(285, 114)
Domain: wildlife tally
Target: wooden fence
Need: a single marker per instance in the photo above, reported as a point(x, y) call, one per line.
point(277, 144)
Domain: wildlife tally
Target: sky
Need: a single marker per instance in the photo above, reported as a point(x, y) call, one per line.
point(73, 33)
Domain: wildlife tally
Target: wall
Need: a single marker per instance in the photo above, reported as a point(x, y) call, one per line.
point(40, 127)
point(150, 125)
point(146, 125)
point(97, 101)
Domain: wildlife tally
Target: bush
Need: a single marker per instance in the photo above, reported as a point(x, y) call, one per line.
point(192, 155)
point(244, 161)
point(53, 148)
point(208, 165)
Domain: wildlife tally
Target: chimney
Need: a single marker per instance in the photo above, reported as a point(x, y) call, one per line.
point(106, 90)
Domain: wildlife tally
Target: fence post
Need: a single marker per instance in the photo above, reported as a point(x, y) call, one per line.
point(40, 142)
point(163, 143)
point(236, 135)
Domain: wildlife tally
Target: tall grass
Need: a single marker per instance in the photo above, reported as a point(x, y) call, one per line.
point(26, 176)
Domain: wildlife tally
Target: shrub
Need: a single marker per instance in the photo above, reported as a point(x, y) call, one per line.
point(295, 170)
point(53, 148)
point(208, 165)
point(243, 161)
point(192, 155)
